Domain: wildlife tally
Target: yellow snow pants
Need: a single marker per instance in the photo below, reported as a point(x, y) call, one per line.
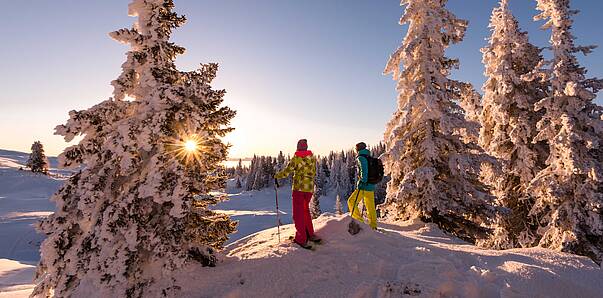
point(369, 203)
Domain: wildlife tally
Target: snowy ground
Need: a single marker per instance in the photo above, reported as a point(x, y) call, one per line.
point(408, 259)
point(23, 201)
point(411, 259)
point(256, 210)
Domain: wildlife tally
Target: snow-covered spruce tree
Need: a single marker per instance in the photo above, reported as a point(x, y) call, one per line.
point(315, 204)
point(270, 171)
point(258, 178)
point(381, 187)
point(434, 173)
point(335, 178)
point(239, 170)
point(261, 173)
point(569, 191)
point(320, 181)
point(37, 162)
point(280, 161)
point(324, 164)
point(130, 217)
point(338, 205)
point(509, 122)
point(345, 185)
point(250, 179)
point(352, 166)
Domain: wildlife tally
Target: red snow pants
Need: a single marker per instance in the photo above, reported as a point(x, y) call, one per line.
point(301, 216)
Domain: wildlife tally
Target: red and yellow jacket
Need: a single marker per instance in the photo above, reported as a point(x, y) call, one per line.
point(303, 167)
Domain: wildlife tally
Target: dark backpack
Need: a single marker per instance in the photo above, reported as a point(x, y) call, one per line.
point(375, 169)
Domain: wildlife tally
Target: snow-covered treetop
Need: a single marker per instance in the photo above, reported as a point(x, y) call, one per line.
point(149, 39)
point(430, 24)
point(569, 76)
point(421, 67)
point(571, 100)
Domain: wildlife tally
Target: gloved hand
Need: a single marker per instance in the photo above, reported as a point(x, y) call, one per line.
point(276, 183)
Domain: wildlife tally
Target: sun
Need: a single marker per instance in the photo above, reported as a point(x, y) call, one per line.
point(191, 145)
point(188, 148)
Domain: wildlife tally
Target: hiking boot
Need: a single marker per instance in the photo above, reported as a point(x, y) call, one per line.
point(305, 245)
point(316, 239)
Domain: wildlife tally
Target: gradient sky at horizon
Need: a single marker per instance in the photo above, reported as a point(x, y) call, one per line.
point(292, 69)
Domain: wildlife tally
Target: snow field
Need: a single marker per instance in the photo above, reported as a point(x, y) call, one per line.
point(413, 259)
point(407, 259)
point(15, 279)
point(256, 210)
point(23, 201)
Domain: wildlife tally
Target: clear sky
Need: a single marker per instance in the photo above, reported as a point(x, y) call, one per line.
point(292, 69)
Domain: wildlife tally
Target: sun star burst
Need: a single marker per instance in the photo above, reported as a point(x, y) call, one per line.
point(187, 148)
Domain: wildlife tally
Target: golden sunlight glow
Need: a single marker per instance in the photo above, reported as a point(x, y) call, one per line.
point(190, 145)
point(187, 148)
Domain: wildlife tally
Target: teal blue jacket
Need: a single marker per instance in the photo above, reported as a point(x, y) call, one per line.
point(363, 171)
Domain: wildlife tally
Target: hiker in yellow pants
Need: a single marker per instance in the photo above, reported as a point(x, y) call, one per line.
point(364, 190)
point(369, 204)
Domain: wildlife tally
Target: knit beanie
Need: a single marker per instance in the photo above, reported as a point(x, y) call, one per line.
point(360, 146)
point(302, 145)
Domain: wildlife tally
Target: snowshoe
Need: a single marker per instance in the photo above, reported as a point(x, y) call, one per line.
point(316, 240)
point(304, 246)
point(354, 227)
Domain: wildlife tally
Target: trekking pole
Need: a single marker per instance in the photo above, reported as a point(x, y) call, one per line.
point(355, 203)
point(362, 213)
point(278, 218)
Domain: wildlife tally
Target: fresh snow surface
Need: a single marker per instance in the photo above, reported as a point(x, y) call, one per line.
point(23, 201)
point(256, 210)
point(15, 278)
point(408, 259)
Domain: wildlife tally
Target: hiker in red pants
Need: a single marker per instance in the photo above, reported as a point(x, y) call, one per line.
point(303, 168)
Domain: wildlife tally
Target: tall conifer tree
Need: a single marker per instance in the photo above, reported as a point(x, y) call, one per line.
point(434, 172)
point(569, 191)
point(38, 162)
point(509, 120)
point(138, 210)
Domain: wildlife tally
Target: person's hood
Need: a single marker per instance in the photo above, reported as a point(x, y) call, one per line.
point(303, 153)
point(364, 152)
